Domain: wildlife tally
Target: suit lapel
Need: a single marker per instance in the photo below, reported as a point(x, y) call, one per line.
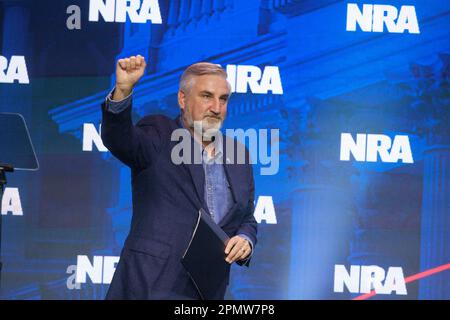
point(197, 173)
point(233, 179)
point(195, 170)
point(198, 179)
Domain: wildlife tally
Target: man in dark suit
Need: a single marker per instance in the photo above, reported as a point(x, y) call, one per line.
point(167, 195)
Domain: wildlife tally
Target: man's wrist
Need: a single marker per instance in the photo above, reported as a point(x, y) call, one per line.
point(250, 242)
point(120, 93)
point(114, 106)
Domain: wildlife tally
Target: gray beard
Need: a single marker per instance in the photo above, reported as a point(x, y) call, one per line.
point(203, 128)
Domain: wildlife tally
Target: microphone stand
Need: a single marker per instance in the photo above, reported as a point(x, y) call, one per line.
point(3, 169)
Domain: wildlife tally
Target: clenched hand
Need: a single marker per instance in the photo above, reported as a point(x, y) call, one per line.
point(128, 72)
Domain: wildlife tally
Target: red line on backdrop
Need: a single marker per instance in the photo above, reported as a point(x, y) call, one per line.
point(412, 278)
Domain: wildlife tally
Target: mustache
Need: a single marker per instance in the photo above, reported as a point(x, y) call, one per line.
point(213, 116)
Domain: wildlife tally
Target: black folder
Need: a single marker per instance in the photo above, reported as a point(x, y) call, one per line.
point(204, 259)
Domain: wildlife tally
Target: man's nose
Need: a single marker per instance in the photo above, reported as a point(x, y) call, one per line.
point(215, 106)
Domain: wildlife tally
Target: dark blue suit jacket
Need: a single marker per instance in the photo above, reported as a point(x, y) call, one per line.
point(166, 201)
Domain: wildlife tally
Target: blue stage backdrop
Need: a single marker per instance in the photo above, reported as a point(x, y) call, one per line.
point(357, 205)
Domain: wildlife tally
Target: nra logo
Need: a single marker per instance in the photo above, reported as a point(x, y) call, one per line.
point(101, 270)
point(15, 70)
point(374, 17)
point(117, 11)
point(368, 147)
point(246, 78)
point(364, 279)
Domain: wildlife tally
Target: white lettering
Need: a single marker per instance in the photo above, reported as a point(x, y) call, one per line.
point(92, 136)
point(369, 147)
point(265, 210)
point(373, 18)
point(16, 70)
point(117, 11)
point(11, 202)
point(244, 77)
point(364, 279)
point(100, 271)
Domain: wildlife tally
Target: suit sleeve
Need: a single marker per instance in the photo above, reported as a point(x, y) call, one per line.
point(136, 146)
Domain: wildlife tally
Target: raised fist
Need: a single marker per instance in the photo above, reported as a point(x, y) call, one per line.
point(128, 73)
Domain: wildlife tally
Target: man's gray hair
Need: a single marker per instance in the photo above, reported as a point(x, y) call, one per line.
point(200, 69)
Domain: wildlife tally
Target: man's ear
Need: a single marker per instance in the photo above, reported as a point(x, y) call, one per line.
point(181, 99)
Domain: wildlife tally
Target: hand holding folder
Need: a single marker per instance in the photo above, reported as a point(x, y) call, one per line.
point(204, 259)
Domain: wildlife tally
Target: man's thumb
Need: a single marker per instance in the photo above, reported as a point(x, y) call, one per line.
point(122, 64)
